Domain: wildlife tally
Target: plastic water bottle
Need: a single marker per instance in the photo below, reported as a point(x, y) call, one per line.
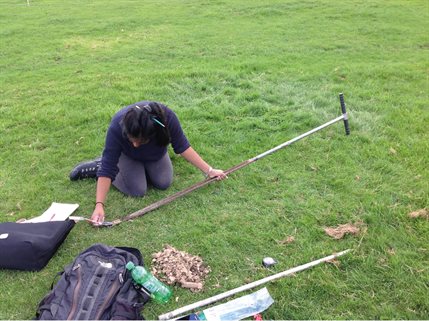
point(157, 290)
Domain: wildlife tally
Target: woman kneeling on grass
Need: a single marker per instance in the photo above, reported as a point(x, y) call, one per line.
point(135, 153)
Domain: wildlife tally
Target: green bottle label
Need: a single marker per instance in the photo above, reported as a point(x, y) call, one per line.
point(151, 285)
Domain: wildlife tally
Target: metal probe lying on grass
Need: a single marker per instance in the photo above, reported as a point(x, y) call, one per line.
point(172, 314)
point(169, 199)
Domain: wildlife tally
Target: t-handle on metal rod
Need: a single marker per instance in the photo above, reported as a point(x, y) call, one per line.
point(346, 117)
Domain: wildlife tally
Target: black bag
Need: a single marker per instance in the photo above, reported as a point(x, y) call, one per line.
point(96, 286)
point(30, 246)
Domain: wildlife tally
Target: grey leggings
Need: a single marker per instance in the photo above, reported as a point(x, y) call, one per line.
point(133, 176)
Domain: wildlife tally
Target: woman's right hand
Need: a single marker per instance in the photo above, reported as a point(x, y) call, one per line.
point(97, 217)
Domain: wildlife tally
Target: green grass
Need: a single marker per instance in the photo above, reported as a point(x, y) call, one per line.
point(243, 76)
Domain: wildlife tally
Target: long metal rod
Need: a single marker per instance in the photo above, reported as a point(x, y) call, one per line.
point(245, 287)
point(290, 142)
point(198, 185)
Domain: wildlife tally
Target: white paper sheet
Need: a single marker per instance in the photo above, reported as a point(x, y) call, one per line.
point(57, 212)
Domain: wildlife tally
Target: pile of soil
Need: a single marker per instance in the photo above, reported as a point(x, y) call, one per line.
point(179, 268)
point(341, 230)
point(420, 213)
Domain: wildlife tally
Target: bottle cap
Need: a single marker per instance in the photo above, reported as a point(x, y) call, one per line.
point(130, 265)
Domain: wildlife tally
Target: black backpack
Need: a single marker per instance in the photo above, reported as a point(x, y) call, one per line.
point(96, 286)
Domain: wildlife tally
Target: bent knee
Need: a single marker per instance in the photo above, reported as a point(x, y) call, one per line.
point(162, 187)
point(162, 183)
point(134, 191)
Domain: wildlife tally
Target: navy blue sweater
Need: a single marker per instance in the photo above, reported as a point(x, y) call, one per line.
point(116, 143)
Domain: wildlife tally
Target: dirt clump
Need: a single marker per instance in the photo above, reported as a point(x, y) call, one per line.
point(341, 230)
point(420, 213)
point(288, 240)
point(177, 267)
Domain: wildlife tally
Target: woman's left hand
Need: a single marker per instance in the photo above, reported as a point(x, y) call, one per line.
point(218, 173)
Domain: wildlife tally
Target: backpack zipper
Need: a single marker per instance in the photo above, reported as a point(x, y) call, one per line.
point(110, 295)
point(75, 293)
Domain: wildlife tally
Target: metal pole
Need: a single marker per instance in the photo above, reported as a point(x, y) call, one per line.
point(290, 142)
point(198, 185)
point(221, 296)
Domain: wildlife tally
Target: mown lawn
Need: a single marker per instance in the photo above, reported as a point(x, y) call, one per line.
point(243, 76)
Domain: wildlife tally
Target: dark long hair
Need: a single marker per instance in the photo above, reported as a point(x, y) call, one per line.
point(146, 121)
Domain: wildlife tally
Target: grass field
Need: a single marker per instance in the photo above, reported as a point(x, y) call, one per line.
point(243, 76)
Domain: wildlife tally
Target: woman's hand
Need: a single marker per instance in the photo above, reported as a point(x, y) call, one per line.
point(97, 217)
point(218, 173)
